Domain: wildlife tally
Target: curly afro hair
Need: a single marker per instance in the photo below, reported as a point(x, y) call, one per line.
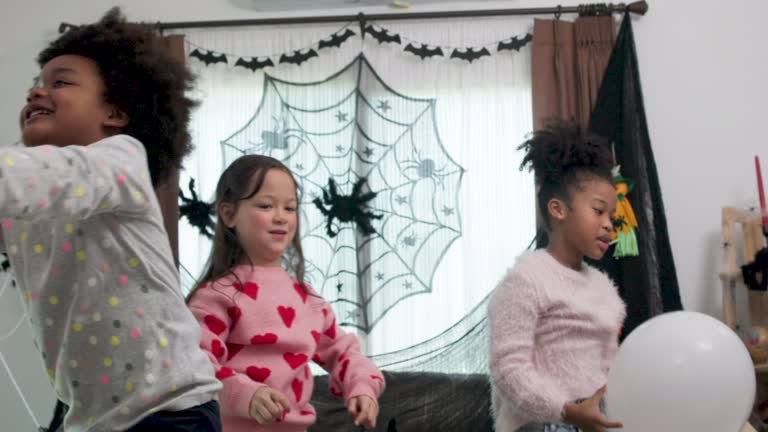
point(563, 156)
point(143, 79)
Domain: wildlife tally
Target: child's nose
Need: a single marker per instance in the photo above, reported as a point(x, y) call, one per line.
point(35, 93)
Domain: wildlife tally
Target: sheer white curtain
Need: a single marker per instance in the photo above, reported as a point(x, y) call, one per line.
point(482, 112)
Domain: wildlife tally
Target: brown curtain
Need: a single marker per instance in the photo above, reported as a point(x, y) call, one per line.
point(168, 191)
point(568, 62)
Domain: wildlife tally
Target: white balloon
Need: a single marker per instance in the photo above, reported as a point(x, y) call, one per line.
point(680, 372)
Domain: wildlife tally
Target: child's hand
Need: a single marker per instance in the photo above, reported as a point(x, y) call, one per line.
point(364, 410)
point(587, 416)
point(268, 405)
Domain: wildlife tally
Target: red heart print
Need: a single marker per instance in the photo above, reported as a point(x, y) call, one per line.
point(316, 359)
point(224, 373)
point(214, 324)
point(287, 314)
point(331, 332)
point(297, 387)
point(343, 371)
point(217, 348)
point(306, 412)
point(234, 313)
point(264, 339)
point(258, 374)
point(233, 349)
point(336, 392)
point(251, 290)
point(295, 360)
point(301, 290)
point(378, 378)
point(316, 336)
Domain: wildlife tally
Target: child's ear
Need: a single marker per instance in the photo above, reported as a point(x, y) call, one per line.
point(227, 214)
point(557, 209)
point(117, 118)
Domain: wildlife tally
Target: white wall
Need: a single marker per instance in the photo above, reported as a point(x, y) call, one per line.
point(703, 69)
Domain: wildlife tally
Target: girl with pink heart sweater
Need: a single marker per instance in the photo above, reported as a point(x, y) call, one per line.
point(262, 325)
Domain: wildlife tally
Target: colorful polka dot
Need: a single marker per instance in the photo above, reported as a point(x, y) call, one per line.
point(107, 362)
point(167, 363)
point(9, 161)
point(150, 379)
point(69, 228)
point(73, 364)
point(105, 267)
point(43, 202)
point(8, 223)
point(139, 312)
point(133, 262)
point(135, 333)
point(92, 282)
point(114, 340)
point(13, 250)
point(25, 296)
point(163, 342)
point(48, 322)
point(67, 246)
point(84, 308)
point(121, 178)
point(139, 196)
point(33, 295)
point(149, 354)
point(96, 316)
point(122, 280)
point(129, 387)
point(81, 255)
point(50, 372)
point(39, 248)
point(24, 236)
point(79, 191)
point(174, 388)
point(114, 301)
point(93, 340)
point(53, 300)
point(77, 327)
point(90, 420)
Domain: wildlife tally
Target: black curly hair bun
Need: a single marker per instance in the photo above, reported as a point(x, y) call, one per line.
point(563, 149)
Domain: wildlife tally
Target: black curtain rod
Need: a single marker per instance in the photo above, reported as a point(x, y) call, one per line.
point(637, 7)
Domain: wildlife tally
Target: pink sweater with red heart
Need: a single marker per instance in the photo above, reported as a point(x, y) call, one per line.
point(261, 329)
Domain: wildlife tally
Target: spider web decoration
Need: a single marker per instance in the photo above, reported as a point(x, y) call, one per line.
point(352, 129)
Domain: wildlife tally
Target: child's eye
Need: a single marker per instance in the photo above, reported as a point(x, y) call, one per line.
point(599, 211)
point(59, 83)
point(290, 209)
point(264, 206)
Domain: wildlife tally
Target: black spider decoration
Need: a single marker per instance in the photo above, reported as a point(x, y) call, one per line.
point(756, 273)
point(347, 208)
point(6, 263)
point(199, 213)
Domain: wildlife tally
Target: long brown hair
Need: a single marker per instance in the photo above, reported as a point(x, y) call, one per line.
point(240, 181)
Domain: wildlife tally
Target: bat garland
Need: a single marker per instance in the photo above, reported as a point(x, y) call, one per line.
point(380, 34)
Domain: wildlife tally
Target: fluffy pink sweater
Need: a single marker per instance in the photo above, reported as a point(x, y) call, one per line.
point(263, 329)
point(554, 334)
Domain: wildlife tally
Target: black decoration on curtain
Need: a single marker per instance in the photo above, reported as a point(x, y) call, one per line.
point(648, 282)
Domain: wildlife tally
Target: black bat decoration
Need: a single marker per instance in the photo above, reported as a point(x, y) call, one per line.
point(382, 35)
point(209, 57)
point(336, 39)
point(297, 57)
point(424, 51)
point(470, 54)
point(515, 43)
point(254, 63)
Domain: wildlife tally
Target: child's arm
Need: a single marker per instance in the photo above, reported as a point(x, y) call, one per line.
point(41, 183)
point(351, 373)
point(513, 314)
point(214, 313)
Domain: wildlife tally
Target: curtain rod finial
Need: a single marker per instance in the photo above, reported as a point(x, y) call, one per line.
point(638, 7)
